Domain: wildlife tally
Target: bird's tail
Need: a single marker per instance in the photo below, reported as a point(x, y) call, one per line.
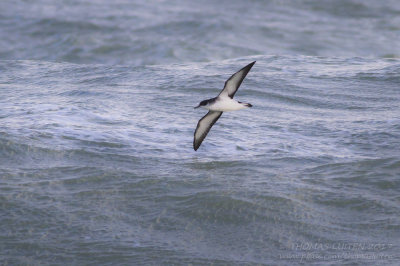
point(246, 104)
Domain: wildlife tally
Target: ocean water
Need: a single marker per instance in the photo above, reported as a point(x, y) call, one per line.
point(96, 129)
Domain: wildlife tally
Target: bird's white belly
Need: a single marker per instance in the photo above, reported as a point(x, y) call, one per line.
point(226, 105)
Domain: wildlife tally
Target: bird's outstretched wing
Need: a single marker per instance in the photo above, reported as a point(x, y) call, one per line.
point(203, 126)
point(233, 83)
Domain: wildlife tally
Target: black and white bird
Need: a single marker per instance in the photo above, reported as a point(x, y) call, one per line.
point(222, 103)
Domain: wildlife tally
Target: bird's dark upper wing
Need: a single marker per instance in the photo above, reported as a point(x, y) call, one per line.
point(203, 126)
point(233, 83)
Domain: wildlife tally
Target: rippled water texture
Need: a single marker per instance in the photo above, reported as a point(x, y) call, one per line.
point(162, 32)
point(97, 121)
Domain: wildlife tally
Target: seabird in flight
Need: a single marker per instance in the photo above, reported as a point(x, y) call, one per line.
point(222, 103)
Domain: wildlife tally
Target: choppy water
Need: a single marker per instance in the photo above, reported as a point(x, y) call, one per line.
point(97, 121)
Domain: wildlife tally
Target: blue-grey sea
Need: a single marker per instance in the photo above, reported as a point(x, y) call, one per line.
point(97, 165)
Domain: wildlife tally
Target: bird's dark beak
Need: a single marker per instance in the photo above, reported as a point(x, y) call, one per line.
point(197, 106)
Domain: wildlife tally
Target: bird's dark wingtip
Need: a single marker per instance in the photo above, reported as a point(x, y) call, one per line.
point(250, 65)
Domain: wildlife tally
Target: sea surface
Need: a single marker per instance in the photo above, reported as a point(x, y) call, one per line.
point(97, 165)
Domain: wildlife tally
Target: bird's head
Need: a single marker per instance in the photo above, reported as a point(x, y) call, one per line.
point(202, 104)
